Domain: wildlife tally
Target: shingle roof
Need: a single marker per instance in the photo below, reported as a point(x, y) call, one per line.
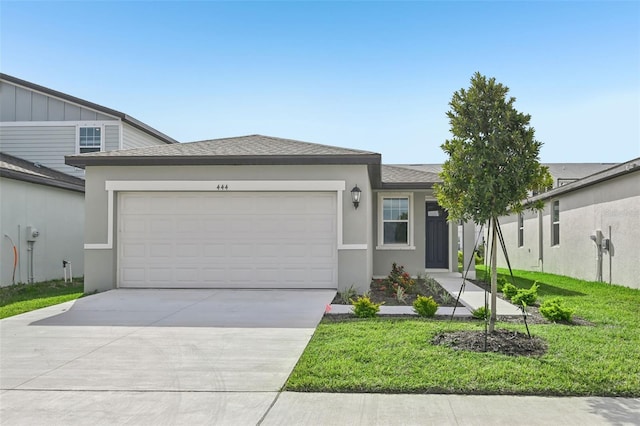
point(401, 176)
point(251, 149)
point(124, 117)
point(575, 171)
point(16, 168)
point(632, 166)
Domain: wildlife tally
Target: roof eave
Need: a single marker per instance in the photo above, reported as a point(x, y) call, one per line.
point(629, 167)
point(406, 185)
point(216, 160)
point(25, 177)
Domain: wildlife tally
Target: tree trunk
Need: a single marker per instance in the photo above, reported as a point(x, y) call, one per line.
point(494, 275)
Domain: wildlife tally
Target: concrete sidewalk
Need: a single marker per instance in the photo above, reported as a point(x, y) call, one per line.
point(383, 409)
point(472, 296)
point(289, 408)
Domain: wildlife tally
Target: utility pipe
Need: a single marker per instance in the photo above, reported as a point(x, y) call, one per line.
point(15, 259)
point(30, 258)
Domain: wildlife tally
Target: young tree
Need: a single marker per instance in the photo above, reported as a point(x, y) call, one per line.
point(493, 161)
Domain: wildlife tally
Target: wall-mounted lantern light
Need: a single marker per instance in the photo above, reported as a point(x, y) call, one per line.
point(355, 196)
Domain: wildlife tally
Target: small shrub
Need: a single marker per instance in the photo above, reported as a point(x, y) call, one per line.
point(398, 278)
point(401, 295)
point(500, 282)
point(432, 285)
point(527, 297)
point(347, 294)
point(446, 298)
point(477, 259)
point(425, 306)
point(555, 310)
point(363, 307)
point(482, 313)
point(509, 290)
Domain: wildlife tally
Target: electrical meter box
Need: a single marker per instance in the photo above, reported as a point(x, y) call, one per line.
point(32, 233)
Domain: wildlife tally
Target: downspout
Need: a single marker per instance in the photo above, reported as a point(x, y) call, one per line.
point(540, 242)
point(610, 253)
point(30, 262)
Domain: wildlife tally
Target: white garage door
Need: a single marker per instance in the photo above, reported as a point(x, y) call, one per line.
point(223, 240)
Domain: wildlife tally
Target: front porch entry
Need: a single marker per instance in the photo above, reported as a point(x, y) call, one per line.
point(437, 237)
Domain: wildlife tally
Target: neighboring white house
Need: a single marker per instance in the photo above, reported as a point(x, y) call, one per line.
point(42, 125)
point(589, 229)
point(38, 127)
point(42, 214)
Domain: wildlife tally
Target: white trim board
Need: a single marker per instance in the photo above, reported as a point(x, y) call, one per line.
point(112, 186)
point(217, 185)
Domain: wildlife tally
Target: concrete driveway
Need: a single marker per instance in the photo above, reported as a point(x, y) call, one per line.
point(155, 356)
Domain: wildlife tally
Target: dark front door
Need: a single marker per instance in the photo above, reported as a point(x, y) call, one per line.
point(437, 255)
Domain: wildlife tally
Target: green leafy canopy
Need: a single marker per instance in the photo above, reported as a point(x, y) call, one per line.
point(493, 155)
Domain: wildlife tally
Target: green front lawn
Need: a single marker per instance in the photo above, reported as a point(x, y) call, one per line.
point(396, 356)
point(20, 298)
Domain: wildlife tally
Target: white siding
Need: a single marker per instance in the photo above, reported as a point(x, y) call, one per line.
point(41, 144)
point(21, 104)
point(134, 138)
point(111, 138)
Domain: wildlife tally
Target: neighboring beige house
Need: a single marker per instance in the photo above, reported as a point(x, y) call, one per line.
point(589, 229)
point(38, 127)
point(257, 212)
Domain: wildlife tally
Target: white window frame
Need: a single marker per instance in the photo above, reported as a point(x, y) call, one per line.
point(410, 240)
point(555, 234)
point(99, 125)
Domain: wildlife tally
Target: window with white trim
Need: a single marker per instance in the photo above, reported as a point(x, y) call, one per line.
point(520, 230)
point(555, 223)
point(89, 139)
point(395, 221)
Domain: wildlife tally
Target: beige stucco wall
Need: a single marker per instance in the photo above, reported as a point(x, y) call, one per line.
point(611, 204)
point(58, 215)
point(354, 266)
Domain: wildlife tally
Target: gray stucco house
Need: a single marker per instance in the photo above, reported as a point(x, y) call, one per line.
point(257, 211)
point(589, 228)
point(38, 127)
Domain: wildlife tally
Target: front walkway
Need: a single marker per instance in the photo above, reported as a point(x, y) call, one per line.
point(472, 297)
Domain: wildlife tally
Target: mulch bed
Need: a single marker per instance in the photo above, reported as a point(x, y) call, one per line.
point(421, 288)
point(506, 342)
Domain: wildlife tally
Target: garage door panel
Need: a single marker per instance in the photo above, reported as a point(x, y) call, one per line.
point(133, 275)
point(130, 250)
point(163, 251)
point(213, 250)
point(188, 251)
point(160, 275)
point(208, 240)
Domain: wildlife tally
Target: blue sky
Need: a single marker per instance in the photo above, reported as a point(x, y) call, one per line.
point(376, 76)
